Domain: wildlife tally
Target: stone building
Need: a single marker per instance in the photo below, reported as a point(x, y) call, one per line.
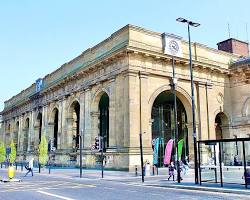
point(123, 85)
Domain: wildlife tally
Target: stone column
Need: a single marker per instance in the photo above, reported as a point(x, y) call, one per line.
point(32, 131)
point(64, 123)
point(60, 128)
point(94, 123)
point(31, 128)
point(45, 121)
point(134, 113)
point(112, 114)
point(82, 118)
point(20, 128)
point(88, 136)
point(125, 102)
point(191, 141)
point(145, 113)
point(202, 132)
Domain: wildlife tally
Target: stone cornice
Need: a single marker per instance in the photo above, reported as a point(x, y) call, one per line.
point(179, 60)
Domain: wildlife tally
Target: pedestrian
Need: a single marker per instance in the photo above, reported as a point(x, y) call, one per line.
point(185, 166)
point(171, 170)
point(30, 167)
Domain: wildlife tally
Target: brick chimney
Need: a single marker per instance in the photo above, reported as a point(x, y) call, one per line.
point(234, 46)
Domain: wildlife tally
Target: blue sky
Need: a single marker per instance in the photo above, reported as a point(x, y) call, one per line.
point(36, 37)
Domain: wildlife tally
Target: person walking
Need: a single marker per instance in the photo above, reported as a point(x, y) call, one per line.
point(171, 170)
point(30, 167)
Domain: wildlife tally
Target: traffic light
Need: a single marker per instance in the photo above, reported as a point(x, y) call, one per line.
point(97, 142)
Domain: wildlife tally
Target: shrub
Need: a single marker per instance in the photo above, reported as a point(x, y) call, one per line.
point(43, 151)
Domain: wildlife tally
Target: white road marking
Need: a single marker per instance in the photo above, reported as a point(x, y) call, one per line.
point(55, 195)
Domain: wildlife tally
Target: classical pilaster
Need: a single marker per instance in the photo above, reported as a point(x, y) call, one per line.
point(145, 110)
point(63, 124)
point(87, 135)
point(30, 130)
point(202, 132)
point(20, 128)
point(112, 114)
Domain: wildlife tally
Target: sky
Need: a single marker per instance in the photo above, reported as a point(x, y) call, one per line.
point(37, 37)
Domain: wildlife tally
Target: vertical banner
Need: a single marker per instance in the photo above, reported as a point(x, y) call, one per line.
point(180, 146)
point(156, 149)
point(168, 152)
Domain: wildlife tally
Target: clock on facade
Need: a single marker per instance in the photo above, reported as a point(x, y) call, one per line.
point(173, 47)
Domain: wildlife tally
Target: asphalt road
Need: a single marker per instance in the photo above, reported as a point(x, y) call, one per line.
point(44, 186)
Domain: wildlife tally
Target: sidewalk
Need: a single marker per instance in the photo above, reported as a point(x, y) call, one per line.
point(159, 180)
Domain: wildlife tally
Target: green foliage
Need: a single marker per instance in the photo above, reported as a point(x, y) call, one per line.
point(13, 152)
point(2, 152)
point(43, 151)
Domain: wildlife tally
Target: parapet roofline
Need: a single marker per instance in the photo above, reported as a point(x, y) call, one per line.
point(127, 27)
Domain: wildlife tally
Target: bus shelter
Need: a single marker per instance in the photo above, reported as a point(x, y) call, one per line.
point(224, 161)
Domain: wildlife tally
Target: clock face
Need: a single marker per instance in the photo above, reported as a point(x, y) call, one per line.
point(174, 47)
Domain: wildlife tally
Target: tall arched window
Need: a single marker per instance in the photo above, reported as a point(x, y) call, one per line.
point(16, 133)
point(75, 124)
point(104, 119)
point(55, 113)
point(26, 134)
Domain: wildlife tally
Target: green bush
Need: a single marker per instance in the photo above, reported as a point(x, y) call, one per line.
point(2, 152)
point(43, 151)
point(13, 152)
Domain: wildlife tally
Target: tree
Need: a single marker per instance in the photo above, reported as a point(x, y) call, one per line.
point(2, 152)
point(12, 152)
point(43, 151)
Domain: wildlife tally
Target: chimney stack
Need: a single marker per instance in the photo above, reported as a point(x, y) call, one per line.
point(234, 46)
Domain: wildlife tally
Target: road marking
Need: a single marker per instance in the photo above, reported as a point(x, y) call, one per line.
point(55, 195)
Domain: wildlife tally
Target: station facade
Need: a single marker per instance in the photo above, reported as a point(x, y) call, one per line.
point(121, 87)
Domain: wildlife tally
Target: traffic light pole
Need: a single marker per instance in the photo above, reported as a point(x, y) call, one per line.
point(80, 138)
point(102, 158)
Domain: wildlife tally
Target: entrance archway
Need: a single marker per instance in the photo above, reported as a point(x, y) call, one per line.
point(104, 119)
point(163, 126)
point(221, 126)
point(75, 124)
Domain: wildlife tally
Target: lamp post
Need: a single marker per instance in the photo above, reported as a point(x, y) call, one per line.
point(174, 82)
point(194, 24)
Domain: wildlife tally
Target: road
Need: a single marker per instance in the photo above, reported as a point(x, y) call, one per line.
point(45, 186)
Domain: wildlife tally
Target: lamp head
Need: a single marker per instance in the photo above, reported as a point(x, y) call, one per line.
point(180, 19)
point(194, 24)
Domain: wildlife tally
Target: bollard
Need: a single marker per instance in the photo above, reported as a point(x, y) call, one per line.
point(16, 165)
point(153, 170)
point(11, 172)
point(136, 170)
point(21, 166)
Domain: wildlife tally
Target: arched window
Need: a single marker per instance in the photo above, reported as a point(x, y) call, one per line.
point(26, 134)
point(75, 124)
point(104, 119)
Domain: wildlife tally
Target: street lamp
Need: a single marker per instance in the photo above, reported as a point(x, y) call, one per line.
point(174, 82)
point(194, 24)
